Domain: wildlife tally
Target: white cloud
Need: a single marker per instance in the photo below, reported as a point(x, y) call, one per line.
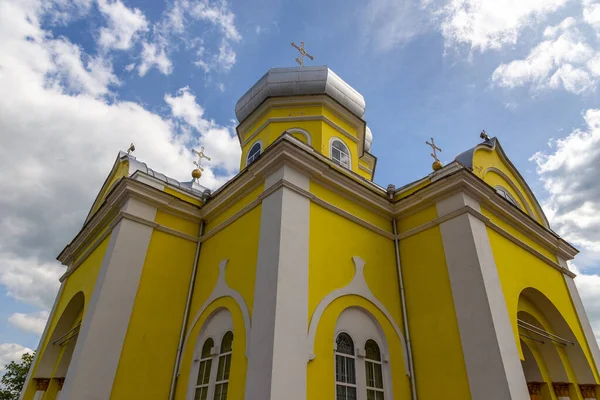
point(124, 25)
point(492, 24)
point(60, 137)
point(570, 175)
point(591, 13)
point(154, 55)
point(223, 61)
point(33, 323)
point(219, 14)
point(563, 60)
point(11, 352)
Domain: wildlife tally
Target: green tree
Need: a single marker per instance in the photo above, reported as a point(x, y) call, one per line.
point(14, 378)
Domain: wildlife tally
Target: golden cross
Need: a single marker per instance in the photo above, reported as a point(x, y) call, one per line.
point(302, 53)
point(200, 155)
point(434, 147)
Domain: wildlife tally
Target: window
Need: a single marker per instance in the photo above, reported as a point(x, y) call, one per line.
point(222, 380)
point(340, 153)
point(254, 152)
point(504, 193)
point(202, 384)
point(373, 370)
point(345, 372)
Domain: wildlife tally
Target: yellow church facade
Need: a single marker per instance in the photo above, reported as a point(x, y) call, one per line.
point(301, 278)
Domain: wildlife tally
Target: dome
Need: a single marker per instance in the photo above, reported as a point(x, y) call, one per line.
point(299, 81)
point(368, 139)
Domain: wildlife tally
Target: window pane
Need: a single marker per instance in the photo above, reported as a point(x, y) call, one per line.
point(372, 350)
point(341, 392)
point(208, 344)
point(217, 395)
point(370, 395)
point(351, 372)
point(369, 371)
point(340, 369)
point(378, 376)
point(345, 344)
point(221, 369)
point(351, 393)
point(226, 343)
point(227, 366)
point(378, 395)
point(201, 393)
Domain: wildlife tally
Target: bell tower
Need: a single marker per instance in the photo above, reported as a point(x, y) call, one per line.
point(315, 106)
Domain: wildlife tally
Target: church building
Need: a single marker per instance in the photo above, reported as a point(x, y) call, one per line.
point(302, 279)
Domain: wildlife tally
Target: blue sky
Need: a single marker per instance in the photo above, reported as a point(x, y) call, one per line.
point(85, 78)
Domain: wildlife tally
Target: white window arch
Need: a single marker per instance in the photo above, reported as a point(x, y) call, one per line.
point(209, 375)
point(506, 194)
point(339, 152)
point(361, 364)
point(254, 152)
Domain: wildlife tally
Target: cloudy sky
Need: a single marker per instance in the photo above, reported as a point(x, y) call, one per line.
point(82, 79)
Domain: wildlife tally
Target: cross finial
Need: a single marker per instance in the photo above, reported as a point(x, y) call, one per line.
point(200, 155)
point(484, 135)
point(131, 148)
point(302, 53)
point(434, 147)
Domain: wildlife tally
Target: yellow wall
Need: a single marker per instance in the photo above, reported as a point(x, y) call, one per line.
point(437, 351)
point(237, 243)
point(518, 270)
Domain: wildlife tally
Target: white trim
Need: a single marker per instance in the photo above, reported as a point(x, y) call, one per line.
point(260, 151)
point(491, 358)
point(359, 287)
point(302, 132)
point(334, 139)
point(513, 187)
point(221, 290)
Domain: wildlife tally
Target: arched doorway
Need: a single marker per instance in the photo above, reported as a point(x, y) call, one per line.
point(55, 360)
point(553, 361)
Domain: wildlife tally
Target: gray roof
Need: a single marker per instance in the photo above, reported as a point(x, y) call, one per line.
point(466, 157)
point(281, 82)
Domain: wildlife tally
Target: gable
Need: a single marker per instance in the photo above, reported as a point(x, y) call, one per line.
point(489, 162)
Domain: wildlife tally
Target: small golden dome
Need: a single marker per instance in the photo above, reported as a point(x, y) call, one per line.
point(196, 173)
point(437, 165)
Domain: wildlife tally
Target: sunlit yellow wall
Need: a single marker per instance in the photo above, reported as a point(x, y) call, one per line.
point(518, 270)
point(82, 280)
point(408, 191)
point(150, 345)
point(436, 345)
point(233, 209)
point(483, 159)
point(185, 197)
point(237, 243)
point(333, 242)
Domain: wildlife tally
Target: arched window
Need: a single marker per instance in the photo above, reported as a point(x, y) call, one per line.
point(340, 153)
point(345, 371)
point(203, 382)
point(254, 152)
point(373, 370)
point(504, 193)
point(222, 380)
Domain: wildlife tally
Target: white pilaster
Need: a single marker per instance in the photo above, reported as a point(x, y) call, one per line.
point(492, 361)
point(98, 350)
point(278, 351)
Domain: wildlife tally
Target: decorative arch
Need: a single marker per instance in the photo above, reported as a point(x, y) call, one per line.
point(254, 152)
point(64, 334)
point(537, 309)
point(514, 187)
point(302, 132)
point(221, 290)
point(359, 287)
point(336, 139)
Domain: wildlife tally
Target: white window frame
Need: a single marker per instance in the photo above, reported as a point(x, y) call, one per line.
point(362, 326)
point(210, 368)
point(331, 142)
point(223, 356)
point(505, 194)
point(346, 357)
point(374, 364)
point(215, 328)
point(301, 132)
point(250, 159)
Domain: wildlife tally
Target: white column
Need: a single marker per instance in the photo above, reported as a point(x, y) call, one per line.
point(278, 352)
point(39, 395)
point(491, 358)
point(96, 356)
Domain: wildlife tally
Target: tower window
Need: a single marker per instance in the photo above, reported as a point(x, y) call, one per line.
point(373, 370)
point(345, 371)
point(340, 153)
point(254, 152)
point(505, 194)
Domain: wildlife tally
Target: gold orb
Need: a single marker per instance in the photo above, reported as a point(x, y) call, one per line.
point(196, 174)
point(437, 165)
